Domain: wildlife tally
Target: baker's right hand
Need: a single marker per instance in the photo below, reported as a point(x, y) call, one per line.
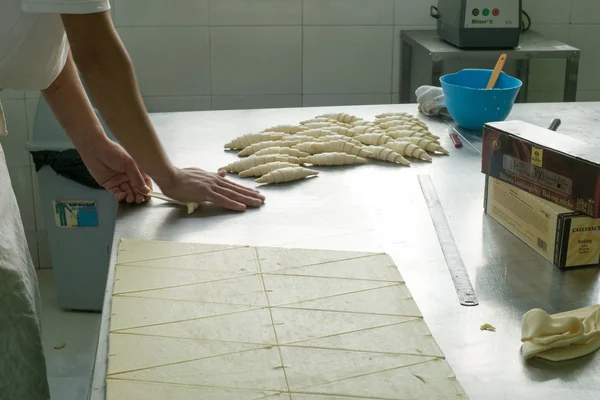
point(196, 185)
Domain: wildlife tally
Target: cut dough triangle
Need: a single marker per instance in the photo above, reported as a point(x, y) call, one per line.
point(247, 290)
point(254, 369)
point(134, 352)
point(416, 339)
point(238, 260)
point(375, 267)
point(275, 259)
point(132, 390)
point(285, 290)
point(139, 250)
point(431, 380)
point(131, 312)
point(131, 278)
point(308, 367)
point(299, 325)
point(393, 300)
point(249, 327)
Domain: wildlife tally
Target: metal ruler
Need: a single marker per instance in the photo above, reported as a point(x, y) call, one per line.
point(458, 272)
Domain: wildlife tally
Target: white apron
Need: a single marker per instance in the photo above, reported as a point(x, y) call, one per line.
point(22, 362)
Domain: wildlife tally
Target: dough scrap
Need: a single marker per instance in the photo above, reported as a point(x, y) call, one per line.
point(561, 336)
point(488, 327)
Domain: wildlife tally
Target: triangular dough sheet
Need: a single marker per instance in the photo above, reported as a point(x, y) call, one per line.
point(131, 312)
point(376, 267)
point(255, 369)
point(132, 278)
point(249, 327)
point(133, 390)
point(294, 325)
point(241, 260)
point(308, 367)
point(416, 339)
point(247, 290)
point(297, 396)
point(276, 259)
point(286, 289)
point(139, 250)
point(394, 299)
point(134, 352)
point(432, 381)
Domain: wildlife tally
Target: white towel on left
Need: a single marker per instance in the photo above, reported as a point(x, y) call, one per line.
point(431, 101)
point(3, 130)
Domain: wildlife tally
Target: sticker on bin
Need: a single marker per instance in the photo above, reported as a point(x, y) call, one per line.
point(75, 213)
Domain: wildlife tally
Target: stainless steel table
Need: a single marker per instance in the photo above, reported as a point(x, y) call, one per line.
point(381, 208)
point(532, 45)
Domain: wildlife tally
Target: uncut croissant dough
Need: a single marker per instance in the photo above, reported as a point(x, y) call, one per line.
point(408, 149)
point(374, 139)
point(253, 161)
point(286, 175)
point(289, 129)
point(385, 154)
point(342, 117)
point(247, 140)
point(333, 147)
point(328, 159)
point(291, 140)
point(263, 169)
point(281, 150)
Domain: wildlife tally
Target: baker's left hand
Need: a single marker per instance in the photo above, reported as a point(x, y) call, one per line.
point(114, 169)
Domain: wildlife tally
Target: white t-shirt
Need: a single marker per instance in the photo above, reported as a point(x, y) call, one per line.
point(33, 43)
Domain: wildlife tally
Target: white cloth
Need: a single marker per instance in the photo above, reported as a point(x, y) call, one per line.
point(33, 51)
point(33, 43)
point(22, 363)
point(3, 128)
point(431, 101)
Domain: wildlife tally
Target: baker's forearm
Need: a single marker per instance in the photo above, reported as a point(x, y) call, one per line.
point(67, 99)
point(108, 72)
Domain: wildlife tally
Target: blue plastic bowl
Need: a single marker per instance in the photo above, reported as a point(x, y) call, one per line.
point(471, 105)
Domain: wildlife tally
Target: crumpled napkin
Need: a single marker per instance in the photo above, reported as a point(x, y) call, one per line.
point(432, 101)
point(561, 336)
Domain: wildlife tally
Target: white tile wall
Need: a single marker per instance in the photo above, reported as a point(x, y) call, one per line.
point(243, 102)
point(347, 59)
point(317, 100)
point(169, 61)
point(173, 103)
point(256, 60)
point(348, 12)
point(161, 13)
point(231, 54)
point(255, 12)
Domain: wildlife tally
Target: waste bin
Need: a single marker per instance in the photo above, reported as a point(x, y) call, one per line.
point(80, 218)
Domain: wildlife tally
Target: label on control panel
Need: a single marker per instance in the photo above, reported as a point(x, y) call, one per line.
point(491, 14)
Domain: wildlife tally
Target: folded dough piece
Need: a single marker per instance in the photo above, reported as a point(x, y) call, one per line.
point(561, 336)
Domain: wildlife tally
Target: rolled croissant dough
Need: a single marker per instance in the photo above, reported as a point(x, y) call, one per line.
point(561, 336)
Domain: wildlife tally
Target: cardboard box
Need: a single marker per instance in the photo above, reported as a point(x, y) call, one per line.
point(565, 238)
point(547, 164)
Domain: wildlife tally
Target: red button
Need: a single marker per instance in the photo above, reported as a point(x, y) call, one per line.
point(496, 12)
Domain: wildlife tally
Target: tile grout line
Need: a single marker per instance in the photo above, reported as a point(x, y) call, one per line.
point(283, 367)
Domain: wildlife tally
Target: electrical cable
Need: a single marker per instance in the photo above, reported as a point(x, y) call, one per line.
point(525, 26)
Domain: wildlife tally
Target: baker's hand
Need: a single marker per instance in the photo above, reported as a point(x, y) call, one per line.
point(196, 185)
point(114, 169)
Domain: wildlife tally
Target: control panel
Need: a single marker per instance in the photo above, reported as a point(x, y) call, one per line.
point(492, 14)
